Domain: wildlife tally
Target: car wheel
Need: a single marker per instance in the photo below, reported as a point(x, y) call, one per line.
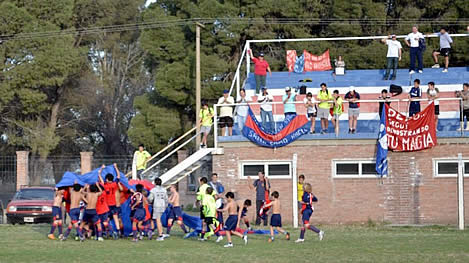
point(9, 221)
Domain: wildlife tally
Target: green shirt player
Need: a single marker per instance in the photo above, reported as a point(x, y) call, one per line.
point(209, 211)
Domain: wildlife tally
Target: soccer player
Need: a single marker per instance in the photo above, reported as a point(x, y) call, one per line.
point(76, 196)
point(139, 211)
point(176, 212)
point(57, 214)
point(209, 210)
point(102, 207)
point(110, 188)
point(276, 219)
point(159, 198)
point(92, 193)
point(233, 220)
point(243, 214)
point(307, 211)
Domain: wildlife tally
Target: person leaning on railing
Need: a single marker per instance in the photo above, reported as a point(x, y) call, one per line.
point(464, 95)
point(242, 110)
point(324, 96)
point(433, 94)
point(226, 113)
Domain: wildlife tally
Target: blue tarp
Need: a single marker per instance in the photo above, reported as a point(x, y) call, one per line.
point(92, 177)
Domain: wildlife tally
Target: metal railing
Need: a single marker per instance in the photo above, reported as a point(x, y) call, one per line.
point(279, 113)
point(169, 154)
point(246, 59)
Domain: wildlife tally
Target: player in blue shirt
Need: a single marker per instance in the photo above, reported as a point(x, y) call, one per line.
point(415, 93)
point(307, 211)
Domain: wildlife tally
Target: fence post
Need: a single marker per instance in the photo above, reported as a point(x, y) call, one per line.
point(22, 168)
point(86, 161)
point(460, 192)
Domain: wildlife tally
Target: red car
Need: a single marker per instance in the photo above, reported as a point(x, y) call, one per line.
point(31, 205)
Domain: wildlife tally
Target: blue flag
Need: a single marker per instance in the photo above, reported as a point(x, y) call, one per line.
point(382, 151)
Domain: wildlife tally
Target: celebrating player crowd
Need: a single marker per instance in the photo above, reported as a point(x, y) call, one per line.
point(95, 210)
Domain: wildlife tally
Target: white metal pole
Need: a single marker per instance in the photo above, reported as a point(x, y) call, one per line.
point(460, 191)
point(248, 58)
point(295, 193)
point(237, 86)
point(215, 126)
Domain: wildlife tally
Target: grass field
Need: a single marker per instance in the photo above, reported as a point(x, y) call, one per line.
point(28, 243)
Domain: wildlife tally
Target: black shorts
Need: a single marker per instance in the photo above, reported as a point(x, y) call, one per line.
point(312, 115)
point(225, 121)
point(465, 113)
point(437, 109)
point(443, 51)
point(209, 220)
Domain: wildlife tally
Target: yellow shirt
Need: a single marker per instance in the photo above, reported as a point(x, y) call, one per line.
point(338, 109)
point(300, 191)
point(324, 96)
point(205, 117)
point(141, 158)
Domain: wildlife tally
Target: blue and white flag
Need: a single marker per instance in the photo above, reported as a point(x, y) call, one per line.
point(382, 151)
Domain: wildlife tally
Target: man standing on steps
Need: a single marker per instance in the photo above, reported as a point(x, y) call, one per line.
point(260, 70)
point(415, 49)
point(141, 158)
point(445, 49)
point(261, 185)
point(393, 57)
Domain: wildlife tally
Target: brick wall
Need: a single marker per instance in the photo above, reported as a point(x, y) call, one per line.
point(409, 195)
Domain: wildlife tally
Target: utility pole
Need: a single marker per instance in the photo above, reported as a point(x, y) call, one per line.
point(197, 80)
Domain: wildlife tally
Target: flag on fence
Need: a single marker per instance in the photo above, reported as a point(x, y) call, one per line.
point(382, 151)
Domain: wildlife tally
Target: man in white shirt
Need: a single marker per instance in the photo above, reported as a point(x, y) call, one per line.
point(445, 49)
point(226, 113)
point(242, 110)
point(266, 109)
point(415, 49)
point(394, 55)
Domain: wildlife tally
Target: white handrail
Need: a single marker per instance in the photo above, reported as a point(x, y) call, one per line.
point(236, 78)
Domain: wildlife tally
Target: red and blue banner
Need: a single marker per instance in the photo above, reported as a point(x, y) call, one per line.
point(292, 128)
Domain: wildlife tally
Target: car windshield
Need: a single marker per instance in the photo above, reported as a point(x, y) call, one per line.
point(34, 194)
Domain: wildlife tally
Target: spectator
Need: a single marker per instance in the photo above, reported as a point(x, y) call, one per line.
point(261, 185)
point(464, 94)
point(142, 157)
point(260, 70)
point(414, 94)
point(339, 66)
point(310, 104)
point(266, 109)
point(433, 94)
point(384, 96)
point(393, 57)
point(337, 111)
point(415, 49)
point(206, 120)
point(242, 110)
point(324, 98)
point(445, 49)
point(288, 99)
point(353, 109)
point(226, 113)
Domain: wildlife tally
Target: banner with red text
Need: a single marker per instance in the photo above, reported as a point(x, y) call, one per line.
point(410, 134)
point(318, 63)
point(291, 59)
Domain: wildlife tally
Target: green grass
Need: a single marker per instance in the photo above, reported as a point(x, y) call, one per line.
point(28, 243)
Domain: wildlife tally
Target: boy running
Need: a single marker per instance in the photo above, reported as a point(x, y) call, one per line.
point(307, 211)
point(209, 211)
point(233, 220)
point(276, 219)
point(176, 212)
point(91, 198)
point(76, 196)
point(243, 214)
point(57, 214)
